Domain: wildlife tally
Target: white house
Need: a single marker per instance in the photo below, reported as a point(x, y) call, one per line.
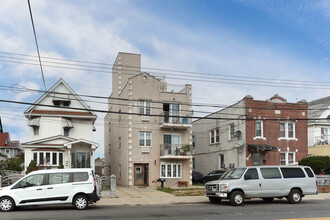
point(61, 130)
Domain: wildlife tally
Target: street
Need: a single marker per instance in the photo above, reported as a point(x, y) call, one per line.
point(252, 210)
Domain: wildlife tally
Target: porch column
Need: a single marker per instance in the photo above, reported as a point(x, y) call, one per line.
point(69, 156)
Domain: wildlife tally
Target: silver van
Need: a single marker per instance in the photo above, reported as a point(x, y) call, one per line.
point(266, 182)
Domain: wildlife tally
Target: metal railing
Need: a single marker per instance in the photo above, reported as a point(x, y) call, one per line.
point(175, 119)
point(172, 150)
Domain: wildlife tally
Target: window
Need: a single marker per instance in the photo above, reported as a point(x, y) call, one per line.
point(259, 129)
point(231, 131)
point(79, 176)
point(48, 158)
point(80, 159)
point(193, 141)
point(171, 110)
point(34, 180)
point(170, 170)
point(172, 144)
point(287, 158)
point(256, 159)
point(144, 107)
point(253, 173)
point(309, 172)
point(287, 130)
point(324, 135)
point(144, 139)
point(66, 131)
point(7, 152)
point(214, 136)
point(58, 178)
point(270, 173)
point(292, 173)
point(35, 130)
point(221, 161)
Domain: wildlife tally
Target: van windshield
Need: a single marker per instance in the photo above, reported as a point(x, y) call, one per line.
point(233, 173)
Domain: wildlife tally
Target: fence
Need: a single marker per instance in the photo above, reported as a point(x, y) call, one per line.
point(106, 186)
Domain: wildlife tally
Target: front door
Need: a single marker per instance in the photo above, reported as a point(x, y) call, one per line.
point(141, 174)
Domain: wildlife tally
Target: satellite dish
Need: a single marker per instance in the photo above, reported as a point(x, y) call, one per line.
point(237, 134)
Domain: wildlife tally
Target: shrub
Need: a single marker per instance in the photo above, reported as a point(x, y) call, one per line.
point(317, 163)
point(32, 167)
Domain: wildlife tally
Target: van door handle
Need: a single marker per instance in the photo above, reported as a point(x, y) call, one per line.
point(39, 189)
point(50, 188)
point(260, 184)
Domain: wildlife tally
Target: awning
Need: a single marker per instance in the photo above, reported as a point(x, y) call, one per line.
point(34, 122)
point(260, 147)
point(67, 123)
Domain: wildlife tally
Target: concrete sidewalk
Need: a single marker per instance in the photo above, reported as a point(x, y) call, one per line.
point(136, 196)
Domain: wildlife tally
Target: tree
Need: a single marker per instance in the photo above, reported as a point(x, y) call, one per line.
point(317, 163)
point(32, 167)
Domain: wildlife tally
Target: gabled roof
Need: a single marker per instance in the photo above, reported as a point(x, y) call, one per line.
point(317, 107)
point(51, 90)
point(36, 142)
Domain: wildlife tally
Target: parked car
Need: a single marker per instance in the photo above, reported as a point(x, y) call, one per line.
point(197, 177)
point(47, 187)
point(266, 182)
point(214, 175)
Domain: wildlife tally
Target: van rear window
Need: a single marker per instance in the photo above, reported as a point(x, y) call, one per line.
point(309, 172)
point(80, 176)
point(270, 173)
point(294, 172)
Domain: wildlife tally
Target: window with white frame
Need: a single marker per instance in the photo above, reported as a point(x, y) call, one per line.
point(35, 130)
point(215, 136)
point(144, 139)
point(144, 107)
point(259, 129)
point(48, 158)
point(287, 158)
point(287, 130)
point(170, 170)
point(231, 131)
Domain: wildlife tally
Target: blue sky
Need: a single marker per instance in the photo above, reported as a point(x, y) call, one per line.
point(287, 41)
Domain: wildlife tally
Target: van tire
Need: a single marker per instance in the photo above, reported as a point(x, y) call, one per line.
point(80, 202)
point(269, 199)
point(214, 200)
point(7, 204)
point(236, 198)
point(294, 196)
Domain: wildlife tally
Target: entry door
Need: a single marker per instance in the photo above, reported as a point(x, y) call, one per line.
point(141, 174)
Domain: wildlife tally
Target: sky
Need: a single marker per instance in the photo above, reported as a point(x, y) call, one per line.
point(225, 49)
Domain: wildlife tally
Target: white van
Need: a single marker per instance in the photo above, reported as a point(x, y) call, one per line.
point(47, 187)
point(266, 182)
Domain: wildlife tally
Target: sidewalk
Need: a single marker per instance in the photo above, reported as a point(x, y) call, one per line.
point(136, 196)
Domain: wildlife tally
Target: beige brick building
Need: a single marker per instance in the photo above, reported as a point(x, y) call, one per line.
point(146, 127)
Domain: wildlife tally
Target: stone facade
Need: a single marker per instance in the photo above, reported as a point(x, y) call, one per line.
point(139, 121)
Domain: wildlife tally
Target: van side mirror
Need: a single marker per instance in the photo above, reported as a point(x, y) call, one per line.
point(247, 177)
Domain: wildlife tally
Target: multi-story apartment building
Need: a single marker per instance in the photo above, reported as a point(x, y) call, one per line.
point(146, 127)
point(61, 130)
point(319, 127)
point(251, 132)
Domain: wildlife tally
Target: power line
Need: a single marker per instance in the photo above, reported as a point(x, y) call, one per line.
point(239, 80)
point(235, 77)
point(36, 41)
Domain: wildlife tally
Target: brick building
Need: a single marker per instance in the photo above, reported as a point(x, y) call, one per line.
point(251, 132)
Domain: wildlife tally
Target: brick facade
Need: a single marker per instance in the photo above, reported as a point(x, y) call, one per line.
point(271, 113)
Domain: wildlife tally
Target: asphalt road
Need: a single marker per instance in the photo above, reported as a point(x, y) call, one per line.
point(252, 210)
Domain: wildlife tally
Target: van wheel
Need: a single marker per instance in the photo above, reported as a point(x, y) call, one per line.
point(80, 202)
point(7, 204)
point(215, 199)
point(294, 196)
point(270, 199)
point(236, 198)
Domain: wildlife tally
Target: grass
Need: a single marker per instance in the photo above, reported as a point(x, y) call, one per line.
point(183, 191)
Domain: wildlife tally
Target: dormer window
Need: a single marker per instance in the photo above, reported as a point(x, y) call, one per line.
point(56, 102)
